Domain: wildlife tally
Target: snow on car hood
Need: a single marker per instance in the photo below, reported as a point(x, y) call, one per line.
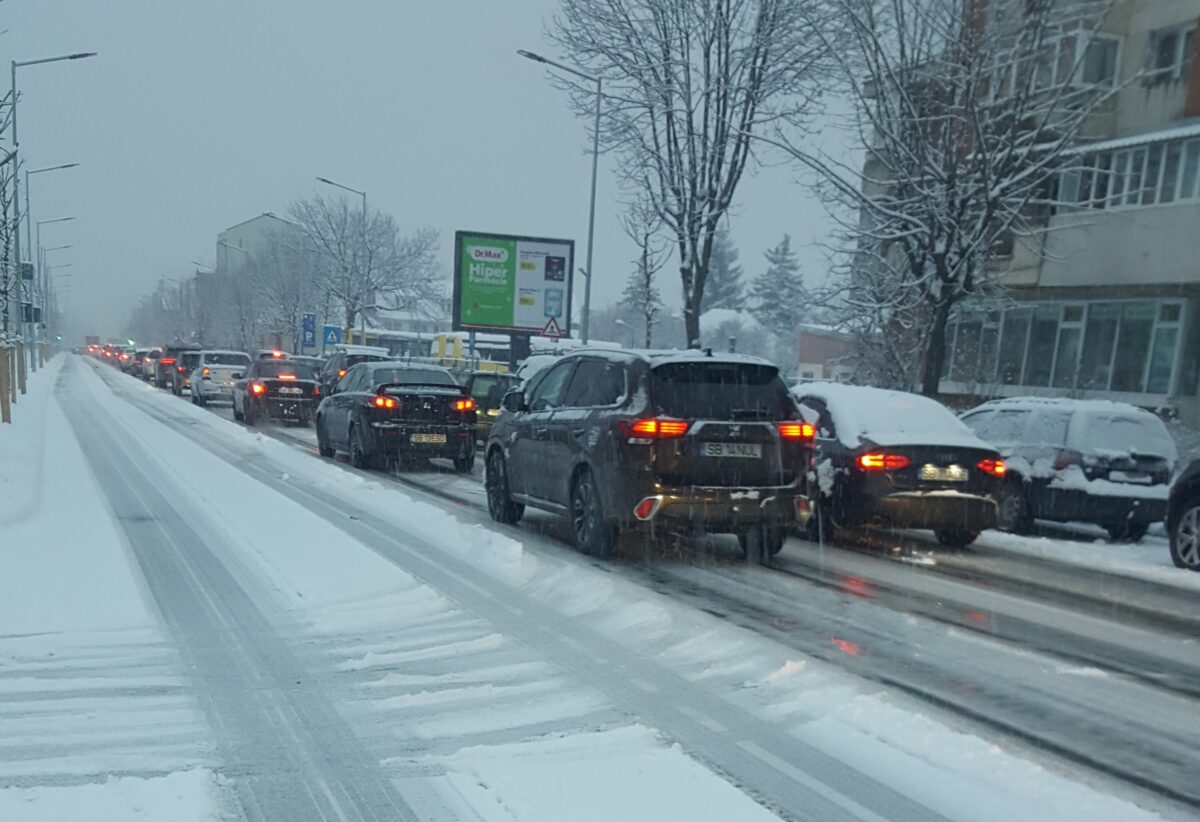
point(887, 418)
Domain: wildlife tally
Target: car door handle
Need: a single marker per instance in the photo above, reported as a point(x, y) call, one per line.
point(578, 432)
point(541, 431)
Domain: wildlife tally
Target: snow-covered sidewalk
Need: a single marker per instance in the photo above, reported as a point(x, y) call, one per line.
point(96, 720)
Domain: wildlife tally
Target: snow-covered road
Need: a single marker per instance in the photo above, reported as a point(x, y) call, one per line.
point(329, 645)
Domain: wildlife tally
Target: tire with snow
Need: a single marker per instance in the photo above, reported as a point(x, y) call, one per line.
point(360, 457)
point(237, 415)
point(1012, 508)
point(1127, 531)
point(594, 535)
point(500, 504)
point(464, 464)
point(249, 413)
point(956, 537)
point(1185, 537)
point(323, 447)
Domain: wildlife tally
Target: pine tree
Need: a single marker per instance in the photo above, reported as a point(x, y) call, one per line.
point(724, 287)
point(777, 296)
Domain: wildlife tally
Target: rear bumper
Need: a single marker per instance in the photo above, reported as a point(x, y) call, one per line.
point(970, 512)
point(397, 438)
point(297, 409)
point(720, 510)
point(1068, 504)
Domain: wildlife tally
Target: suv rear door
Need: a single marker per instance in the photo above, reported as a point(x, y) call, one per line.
point(733, 439)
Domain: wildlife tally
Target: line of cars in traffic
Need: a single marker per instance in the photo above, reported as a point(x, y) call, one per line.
point(667, 441)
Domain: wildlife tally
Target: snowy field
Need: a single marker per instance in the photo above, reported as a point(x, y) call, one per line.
point(171, 564)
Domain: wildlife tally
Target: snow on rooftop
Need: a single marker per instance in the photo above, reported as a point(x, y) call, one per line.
point(888, 417)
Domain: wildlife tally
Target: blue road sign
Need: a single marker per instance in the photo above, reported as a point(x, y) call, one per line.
point(332, 334)
point(308, 338)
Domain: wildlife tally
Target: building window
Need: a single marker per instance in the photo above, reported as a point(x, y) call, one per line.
point(1118, 345)
point(1169, 54)
point(1100, 61)
point(1157, 173)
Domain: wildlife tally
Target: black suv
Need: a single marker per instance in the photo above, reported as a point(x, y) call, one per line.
point(684, 441)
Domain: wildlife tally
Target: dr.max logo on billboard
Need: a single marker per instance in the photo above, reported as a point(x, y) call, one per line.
point(488, 253)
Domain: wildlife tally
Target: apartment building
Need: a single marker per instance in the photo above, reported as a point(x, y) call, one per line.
point(1108, 306)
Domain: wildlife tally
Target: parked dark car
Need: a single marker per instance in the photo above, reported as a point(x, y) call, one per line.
point(1183, 518)
point(679, 441)
point(181, 378)
point(1106, 463)
point(385, 411)
point(344, 357)
point(898, 460)
point(168, 362)
point(276, 389)
point(488, 388)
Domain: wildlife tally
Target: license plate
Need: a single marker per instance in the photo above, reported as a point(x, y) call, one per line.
point(291, 390)
point(428, 439)
point(745, 450)
point(1135, 477)
point(944, 473)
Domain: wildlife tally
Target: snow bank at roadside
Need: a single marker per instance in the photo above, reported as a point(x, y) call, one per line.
point(21, 444)
point(187, 796)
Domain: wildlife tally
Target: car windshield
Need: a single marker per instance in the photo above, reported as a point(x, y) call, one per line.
point(226, 359)
point(1140, 434)
point(284, 368)
point(720, 391)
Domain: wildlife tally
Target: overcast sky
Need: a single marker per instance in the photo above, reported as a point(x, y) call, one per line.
point(199, 114)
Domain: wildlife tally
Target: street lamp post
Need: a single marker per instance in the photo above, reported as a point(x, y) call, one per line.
point(41, 280)
point(587, 285)
point(362, 303)
point(16, 64)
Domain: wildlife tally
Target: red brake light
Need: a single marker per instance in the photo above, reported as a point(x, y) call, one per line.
point(994, 467)
point(877, 461)
point(179, 368)
point(658, 429)
point(383, 402)
point(796, 431)
point(257, 388)
point(316, 390)
point(464, 405)
point(287, 377)
point(164, 360)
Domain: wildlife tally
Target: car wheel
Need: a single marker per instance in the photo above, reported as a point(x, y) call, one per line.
point(359, 456)
point(323, 447)
point(1127, 531)
point(200, 401)
point(249, 412)
point(500, 504)
point(761, 543)
point(1012, 509)
point(593, 534)
point(465, 463)
point(1185, 537)
point(237, 415)
point(956, 537)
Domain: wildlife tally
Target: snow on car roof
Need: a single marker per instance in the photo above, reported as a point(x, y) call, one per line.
point(889, 417)
point(1067, 404)
point(349, 348)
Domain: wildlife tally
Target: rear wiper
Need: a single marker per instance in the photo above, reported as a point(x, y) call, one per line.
point(750, 414)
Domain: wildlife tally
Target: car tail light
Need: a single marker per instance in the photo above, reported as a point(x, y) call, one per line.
point(647, 508)
point(1067, 457)
point(164, 360)
point(464, 405)
point(796, 431)
point(316, 390)
point(279, 355)
point(655, 429)
point(994, 467)
point(180, 369)
point(287, 377)
point(206, 374)
point(257, 388)
point(383, 402)
point(879, 461)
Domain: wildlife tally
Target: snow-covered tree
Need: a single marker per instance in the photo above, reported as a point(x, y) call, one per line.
point(641, 296)
point(686, 85)
point(362, 265)
point(725, 288)
point(966, 111)
point(777, 295)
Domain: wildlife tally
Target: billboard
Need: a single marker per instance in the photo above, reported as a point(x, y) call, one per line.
point(508, 283)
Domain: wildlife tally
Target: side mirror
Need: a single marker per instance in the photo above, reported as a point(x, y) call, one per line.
point(513, 401)
point(237, 375)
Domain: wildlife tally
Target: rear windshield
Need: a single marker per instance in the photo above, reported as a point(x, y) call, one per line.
point(280, 368)
point(1136, 434)
point(227, 359)
point(154, 355)
point(412, 376)
point(720, 391)
point(355, 359)
point(489, 390)
point(189, 359)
